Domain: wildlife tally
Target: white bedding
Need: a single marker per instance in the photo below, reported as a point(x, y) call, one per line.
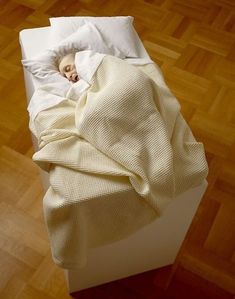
point(66, 100)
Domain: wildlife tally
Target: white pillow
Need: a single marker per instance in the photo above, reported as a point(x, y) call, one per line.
point(44, 66)
point(87, 37)
point(116, 30)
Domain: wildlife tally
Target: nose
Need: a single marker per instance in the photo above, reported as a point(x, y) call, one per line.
point(69, 76)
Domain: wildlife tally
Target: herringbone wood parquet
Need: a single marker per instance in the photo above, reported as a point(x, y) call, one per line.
point(193, 41)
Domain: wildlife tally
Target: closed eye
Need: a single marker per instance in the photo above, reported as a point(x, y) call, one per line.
point(67, 68)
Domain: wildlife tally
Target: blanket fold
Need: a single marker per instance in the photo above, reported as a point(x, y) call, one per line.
point(125, 119)
point(116, 157)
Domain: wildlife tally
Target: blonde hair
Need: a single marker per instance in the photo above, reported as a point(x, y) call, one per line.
point(61, 57)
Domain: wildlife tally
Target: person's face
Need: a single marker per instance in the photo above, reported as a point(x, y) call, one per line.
point(67, 68)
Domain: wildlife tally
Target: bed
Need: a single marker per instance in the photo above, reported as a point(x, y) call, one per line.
point(156, 240)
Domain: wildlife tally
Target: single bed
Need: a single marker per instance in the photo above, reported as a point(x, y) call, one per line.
point(152, 246)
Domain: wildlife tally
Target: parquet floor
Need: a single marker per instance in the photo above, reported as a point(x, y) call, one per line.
point(194, 43)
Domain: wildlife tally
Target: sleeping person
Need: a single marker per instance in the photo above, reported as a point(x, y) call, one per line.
point(87, 60)
point(67, 67)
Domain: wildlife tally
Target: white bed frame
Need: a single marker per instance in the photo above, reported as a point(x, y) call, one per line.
point(154, 246)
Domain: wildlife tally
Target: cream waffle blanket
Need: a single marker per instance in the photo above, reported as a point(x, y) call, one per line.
point(116, 156)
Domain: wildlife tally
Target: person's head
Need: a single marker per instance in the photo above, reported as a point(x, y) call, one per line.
point(67, 67)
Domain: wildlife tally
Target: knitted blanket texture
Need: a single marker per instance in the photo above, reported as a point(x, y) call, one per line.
point(117, 156)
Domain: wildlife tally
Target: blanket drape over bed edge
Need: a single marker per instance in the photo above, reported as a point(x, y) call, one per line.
point(116, 157)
